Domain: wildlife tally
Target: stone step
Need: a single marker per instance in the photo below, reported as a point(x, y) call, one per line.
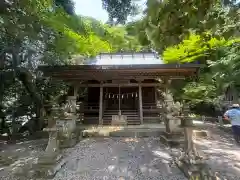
point(106, 113)
point(172, 141)
point(128, 118)
point(129, 123)
point(128, 115)
point(136, 133)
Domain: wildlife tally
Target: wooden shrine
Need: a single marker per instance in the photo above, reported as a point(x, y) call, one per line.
point(123, 93)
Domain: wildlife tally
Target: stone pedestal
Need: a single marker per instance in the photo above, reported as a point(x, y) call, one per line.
point(43, 166)
point(53, 143)
point(119, 120)
point(51, 160)
point(173, 139)
point(68, 133)
point(220, 121)
point(48, 165)
point(67, 124)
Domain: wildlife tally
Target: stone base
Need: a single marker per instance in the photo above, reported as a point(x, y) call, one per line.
point(119, 120)
point(48, 166)
point(138, 133)
point(66, 142)
point(174, 139)
point(44, 167)
point(198, 171)
point(173, 134)
point(51, 158)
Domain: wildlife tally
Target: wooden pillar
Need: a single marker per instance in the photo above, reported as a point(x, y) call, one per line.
point(156, 98)
point(140, 103)
point(101, 105)
point(75, 94)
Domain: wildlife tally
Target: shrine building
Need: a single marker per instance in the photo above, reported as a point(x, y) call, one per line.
point(121, 86)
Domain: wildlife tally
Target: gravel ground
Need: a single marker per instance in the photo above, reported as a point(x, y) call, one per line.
point(10, 153)
point(222, 153)
point(119, 159)
point(136, 158)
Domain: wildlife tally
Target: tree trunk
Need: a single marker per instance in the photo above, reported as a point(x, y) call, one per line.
point(26, 78)
point(2, 114)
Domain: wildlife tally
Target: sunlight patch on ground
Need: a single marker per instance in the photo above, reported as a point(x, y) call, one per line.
point(111, 168)
point(101, 131)
point(131, 140)
point(198, 122)
point(204, 142)
point(162, 155)
point(223, 156)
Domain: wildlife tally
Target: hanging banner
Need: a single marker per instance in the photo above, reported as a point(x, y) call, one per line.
point(122, 95)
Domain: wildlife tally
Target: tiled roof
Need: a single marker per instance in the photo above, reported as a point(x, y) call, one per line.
point(126, 59)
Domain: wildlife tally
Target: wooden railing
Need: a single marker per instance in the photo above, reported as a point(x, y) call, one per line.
point(91, 107)
point(151, 106)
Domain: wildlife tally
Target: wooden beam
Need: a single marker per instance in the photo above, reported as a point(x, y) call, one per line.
point(112, 77)
point(101, 105)
point(122, 85)
point(140, 102)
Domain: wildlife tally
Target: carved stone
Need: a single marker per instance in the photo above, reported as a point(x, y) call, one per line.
point(172, 136)
point(53, 143)
point(172, 111)
point(49, 162)
point(67, 123)
point(118, 120)
point(190, 162)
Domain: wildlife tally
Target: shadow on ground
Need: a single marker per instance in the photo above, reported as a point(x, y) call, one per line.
point(222, 153)
point(120, 159)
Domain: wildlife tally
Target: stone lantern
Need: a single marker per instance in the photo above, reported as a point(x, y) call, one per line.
point(67, 123)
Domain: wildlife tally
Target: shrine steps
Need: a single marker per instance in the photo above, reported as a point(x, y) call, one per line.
point(91, 119)
point(132, 116)
point(131, 131)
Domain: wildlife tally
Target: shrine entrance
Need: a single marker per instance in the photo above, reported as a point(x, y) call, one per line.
point(121, 98)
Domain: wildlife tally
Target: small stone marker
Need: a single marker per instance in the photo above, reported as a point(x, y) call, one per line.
point(220, 120)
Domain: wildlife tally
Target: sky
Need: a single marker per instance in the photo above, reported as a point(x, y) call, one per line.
point(93, 8)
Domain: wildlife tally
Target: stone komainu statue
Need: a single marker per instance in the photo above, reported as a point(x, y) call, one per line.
point(172, 112)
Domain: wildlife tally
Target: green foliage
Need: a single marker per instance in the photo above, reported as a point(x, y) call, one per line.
point(223, 72)
point(67, 5)
point(120, 40)
point(137, 29)
point(31, 33)
point(168, 22)
point(119, 10)
point(35, 32)
point(195, 48)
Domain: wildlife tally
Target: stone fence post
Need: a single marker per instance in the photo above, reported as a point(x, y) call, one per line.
point(220, 120)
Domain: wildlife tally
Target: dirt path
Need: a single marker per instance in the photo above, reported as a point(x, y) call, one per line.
point(137, 158)
point(120, 159)
point(223, 155)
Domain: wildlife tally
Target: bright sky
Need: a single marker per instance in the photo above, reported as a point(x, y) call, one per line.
point(93, 8)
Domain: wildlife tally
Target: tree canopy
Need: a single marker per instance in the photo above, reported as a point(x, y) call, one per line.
point(167, 22)
point(67, 5)
point(32, 34)
point(120, 10)
point(35, 32)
